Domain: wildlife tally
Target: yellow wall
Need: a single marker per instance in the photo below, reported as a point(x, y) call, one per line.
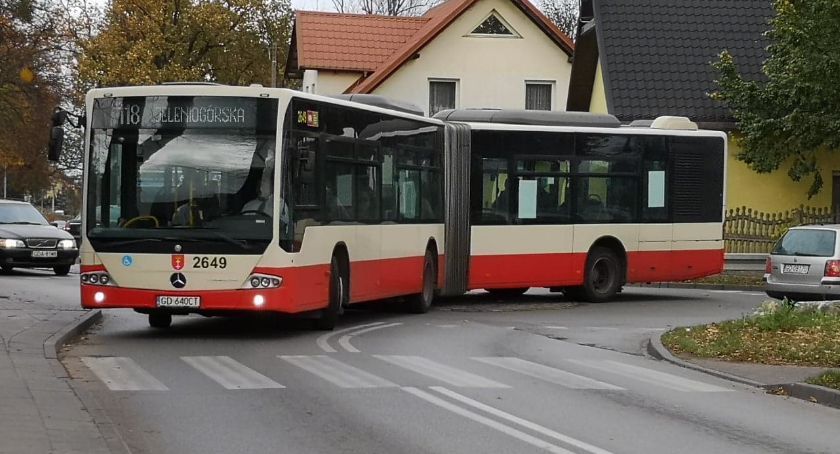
point(775, 192)
point(598, 102)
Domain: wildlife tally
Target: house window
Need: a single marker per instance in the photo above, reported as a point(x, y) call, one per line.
point(442, 95)
point(494, 26)
point(538, 95)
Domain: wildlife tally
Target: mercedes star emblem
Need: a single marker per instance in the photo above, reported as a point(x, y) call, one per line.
point(178, 280)
point(177, 248)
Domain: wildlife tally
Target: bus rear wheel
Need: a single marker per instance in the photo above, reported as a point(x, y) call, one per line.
point(160, 320)
point(421, 302)
point(507, 292)
point(328, 318)
point(602, 279)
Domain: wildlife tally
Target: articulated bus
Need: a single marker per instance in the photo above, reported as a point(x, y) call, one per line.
point(210, 199)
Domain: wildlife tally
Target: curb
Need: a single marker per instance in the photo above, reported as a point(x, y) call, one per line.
point(805, 391)
point(658, 351)
point(57, 340)
point(813, 393)
point(743, 288)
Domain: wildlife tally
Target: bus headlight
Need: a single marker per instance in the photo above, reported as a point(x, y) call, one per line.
point(262, 281)
point(11, 244)
point(98, 278)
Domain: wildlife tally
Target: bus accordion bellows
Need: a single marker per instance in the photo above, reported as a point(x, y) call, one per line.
point(218, 199)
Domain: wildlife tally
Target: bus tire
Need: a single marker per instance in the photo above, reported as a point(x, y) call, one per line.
point(602, 277)
point(421, 302)
point(507, 292)
point(328, 318)
point(62, 270)
point(160, 320)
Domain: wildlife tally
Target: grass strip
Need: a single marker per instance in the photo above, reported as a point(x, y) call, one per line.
point(830, 379)
point(784, 337)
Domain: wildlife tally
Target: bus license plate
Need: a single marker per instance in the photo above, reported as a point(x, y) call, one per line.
point(45, 254)
point(178, 301)
point(795, 269)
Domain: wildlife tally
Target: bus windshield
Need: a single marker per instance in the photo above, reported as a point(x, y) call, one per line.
point(182, 168)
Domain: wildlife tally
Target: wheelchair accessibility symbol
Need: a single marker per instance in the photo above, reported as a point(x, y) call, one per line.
point(127, 260)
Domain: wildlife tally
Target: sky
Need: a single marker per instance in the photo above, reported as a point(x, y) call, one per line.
point(313, 5)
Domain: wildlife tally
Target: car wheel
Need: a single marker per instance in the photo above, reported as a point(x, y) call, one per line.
point(6, 269)
point(62, 270)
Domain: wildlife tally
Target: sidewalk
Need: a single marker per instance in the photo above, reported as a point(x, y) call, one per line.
point(782, 380)
point(39, 411)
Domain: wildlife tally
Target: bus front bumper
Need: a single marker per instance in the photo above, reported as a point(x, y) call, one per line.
point(110, 297)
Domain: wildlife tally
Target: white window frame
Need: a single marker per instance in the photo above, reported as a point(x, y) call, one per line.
point(457, 83)
point(551, 83)
point(515, 34)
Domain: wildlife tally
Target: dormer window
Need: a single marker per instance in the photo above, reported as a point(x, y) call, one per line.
point(494, 26)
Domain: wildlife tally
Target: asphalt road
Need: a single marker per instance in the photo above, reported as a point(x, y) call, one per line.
point(476, 374)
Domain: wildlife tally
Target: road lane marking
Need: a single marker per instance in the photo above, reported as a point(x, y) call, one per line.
point(654, 377)
point(518, 434)
point(522, 422)
point(344, 341)
point(451, 375)
point(549, 374)
point(122, 374)
point(323, 341)
point(230, 373)
point(338, 373)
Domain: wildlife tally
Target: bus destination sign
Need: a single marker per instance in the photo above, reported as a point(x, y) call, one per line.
point(155, 112)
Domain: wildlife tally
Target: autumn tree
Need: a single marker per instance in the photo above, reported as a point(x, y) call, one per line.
point(153, 41)
point(30, 84)
point(794, 113)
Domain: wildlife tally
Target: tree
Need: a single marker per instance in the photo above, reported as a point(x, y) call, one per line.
point(564, 14)
point(152, 41)
point(794, 113)
point(30, 49)
point(385, 7)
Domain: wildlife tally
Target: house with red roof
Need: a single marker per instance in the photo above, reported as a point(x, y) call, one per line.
point(460, 54)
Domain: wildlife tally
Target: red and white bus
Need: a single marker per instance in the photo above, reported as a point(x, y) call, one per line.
point(580, 203)
point(215, 199)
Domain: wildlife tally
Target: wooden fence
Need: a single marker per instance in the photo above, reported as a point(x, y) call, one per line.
point(754, 232)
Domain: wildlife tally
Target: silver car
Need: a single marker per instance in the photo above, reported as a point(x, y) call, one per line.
point(805, 264)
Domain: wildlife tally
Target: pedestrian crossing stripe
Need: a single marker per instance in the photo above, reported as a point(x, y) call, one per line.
point(123, 374)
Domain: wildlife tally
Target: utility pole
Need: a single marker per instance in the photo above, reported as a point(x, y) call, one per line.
point(5, 171)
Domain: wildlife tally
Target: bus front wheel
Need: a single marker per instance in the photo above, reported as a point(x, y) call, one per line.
point(338, 288)
point(602, 279)
point(421, 302)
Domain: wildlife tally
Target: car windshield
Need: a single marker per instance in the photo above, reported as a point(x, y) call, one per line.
point(197, 167)
point(807, 243)
point(20, 213)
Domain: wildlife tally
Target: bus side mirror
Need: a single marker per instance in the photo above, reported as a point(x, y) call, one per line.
point(56, 143)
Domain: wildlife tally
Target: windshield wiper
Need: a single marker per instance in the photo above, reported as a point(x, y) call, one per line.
point(22, 223)
point(146, 240)
point(224, 237)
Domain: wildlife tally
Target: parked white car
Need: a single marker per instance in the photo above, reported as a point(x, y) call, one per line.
point(805, 264)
